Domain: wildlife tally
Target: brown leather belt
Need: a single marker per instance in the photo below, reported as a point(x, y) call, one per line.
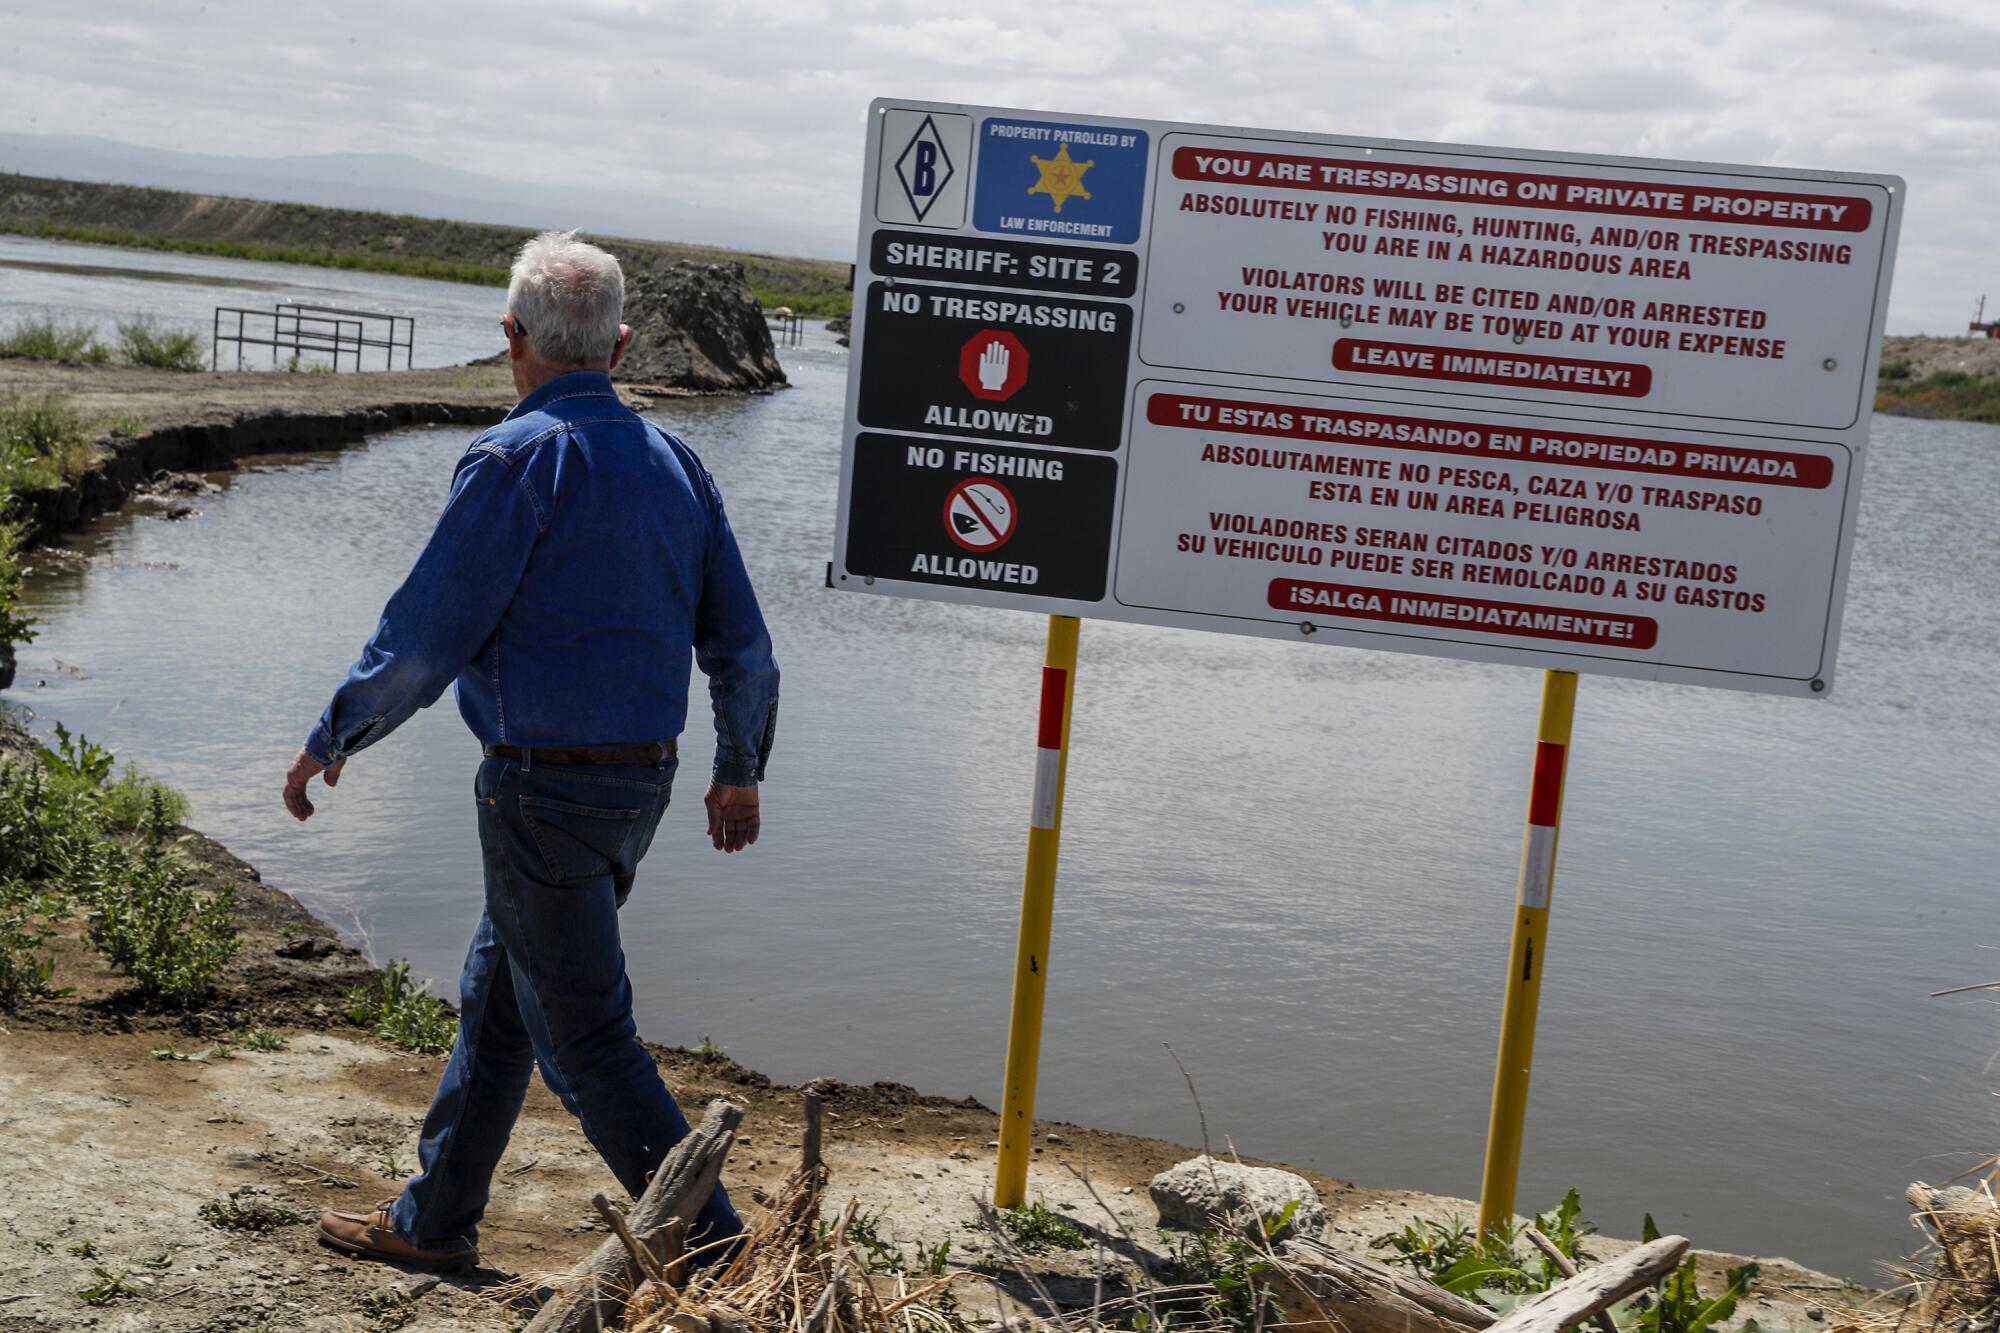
point(652, 752)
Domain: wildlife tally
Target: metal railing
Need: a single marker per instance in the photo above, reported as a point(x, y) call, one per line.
point(788, 326)
point(301, 327)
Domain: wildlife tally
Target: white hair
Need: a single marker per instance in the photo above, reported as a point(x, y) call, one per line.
point(569, 295)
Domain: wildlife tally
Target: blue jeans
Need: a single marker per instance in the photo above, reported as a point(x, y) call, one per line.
point(545, 984)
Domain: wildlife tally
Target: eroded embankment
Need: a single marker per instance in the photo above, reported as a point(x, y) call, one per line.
point(146, 421)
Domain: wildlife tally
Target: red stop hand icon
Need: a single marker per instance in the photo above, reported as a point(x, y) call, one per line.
point(993, 364)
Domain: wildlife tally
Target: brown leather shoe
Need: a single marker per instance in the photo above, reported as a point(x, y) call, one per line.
point(373, 1236)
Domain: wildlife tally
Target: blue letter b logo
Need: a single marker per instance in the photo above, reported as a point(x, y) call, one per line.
point(926, 172)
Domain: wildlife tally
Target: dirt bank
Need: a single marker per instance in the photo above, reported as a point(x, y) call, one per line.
point(110, 1147)
point(149, 420)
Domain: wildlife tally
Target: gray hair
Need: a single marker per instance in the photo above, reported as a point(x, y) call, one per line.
point(569, 294)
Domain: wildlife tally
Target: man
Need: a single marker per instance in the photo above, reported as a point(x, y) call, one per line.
point(581, 556)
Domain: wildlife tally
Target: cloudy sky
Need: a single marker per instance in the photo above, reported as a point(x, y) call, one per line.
point(758, 107)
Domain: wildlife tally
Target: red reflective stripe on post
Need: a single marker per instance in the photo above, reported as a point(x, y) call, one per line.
point(1055, 683)
point(1545, 795)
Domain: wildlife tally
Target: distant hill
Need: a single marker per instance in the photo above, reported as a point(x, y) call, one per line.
point(397, 183)
point(418, 246)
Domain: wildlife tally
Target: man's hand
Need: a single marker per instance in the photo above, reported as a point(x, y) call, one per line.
point(305, 766)
point(733, 821)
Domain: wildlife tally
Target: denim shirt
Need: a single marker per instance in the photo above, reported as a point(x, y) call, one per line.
point(583, 553)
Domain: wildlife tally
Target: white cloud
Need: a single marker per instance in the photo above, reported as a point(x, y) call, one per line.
point(758, 107)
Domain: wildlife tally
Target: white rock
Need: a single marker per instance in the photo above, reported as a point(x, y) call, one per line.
point(1203, 1194)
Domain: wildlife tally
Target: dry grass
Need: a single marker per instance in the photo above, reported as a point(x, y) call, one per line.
point(798, 1274)
point(792, 1273)
point(1953, 1284)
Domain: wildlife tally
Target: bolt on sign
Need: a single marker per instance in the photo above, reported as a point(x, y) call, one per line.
point(1577, 412)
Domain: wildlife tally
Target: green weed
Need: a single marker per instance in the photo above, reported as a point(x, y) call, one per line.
point(1450, 1256)
point(49, 339)
point(78, 761)
point(135, 801)
point(143, 342)
point(403, 1012)
point(1232, 1267)
point(263, 1040)
point(1494, 1274)
point(1677, 1305)
point(85, 1248)
point(1034, 1228)
point(149, 920)
point(43, 443)
point(14, 627)
point(706, 1049)
point(25, 972)
point(108, 1287)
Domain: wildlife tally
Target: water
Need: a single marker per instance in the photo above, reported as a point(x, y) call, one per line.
point(1296, 863)
point(102, 286)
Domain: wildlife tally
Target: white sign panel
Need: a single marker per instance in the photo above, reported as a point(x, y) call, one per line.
point(1597, 414)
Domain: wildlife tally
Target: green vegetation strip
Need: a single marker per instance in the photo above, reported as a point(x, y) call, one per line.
point(807, 300)
point(484, 275)
point(1951, 395)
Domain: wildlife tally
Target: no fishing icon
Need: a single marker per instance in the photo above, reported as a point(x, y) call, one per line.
point(980, 514)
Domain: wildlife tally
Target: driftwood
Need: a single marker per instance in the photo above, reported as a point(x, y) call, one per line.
point(679, 1189)
point(1576, 1299)
point(642, 1254)
point(1325, 1290)
point(1553, 1253)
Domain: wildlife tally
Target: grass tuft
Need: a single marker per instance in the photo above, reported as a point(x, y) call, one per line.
point(46, 338)
point(1034, 1229)
point(143, 342)
point(402, 1011)
point(43, 444)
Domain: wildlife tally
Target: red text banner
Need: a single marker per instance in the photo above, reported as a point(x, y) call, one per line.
point(1522, 189)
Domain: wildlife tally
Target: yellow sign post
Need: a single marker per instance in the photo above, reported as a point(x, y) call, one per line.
point(1038, 901)
point(1527, 957)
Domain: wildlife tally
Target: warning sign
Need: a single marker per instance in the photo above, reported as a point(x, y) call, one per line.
point(1703, 293)
point(1377, 519)
point(955, 360)
point(1597, 414)
point(976, 517)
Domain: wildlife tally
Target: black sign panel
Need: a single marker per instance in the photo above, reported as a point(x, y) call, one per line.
point(1076, 270)
point(1000, 365)
point(981, 516)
